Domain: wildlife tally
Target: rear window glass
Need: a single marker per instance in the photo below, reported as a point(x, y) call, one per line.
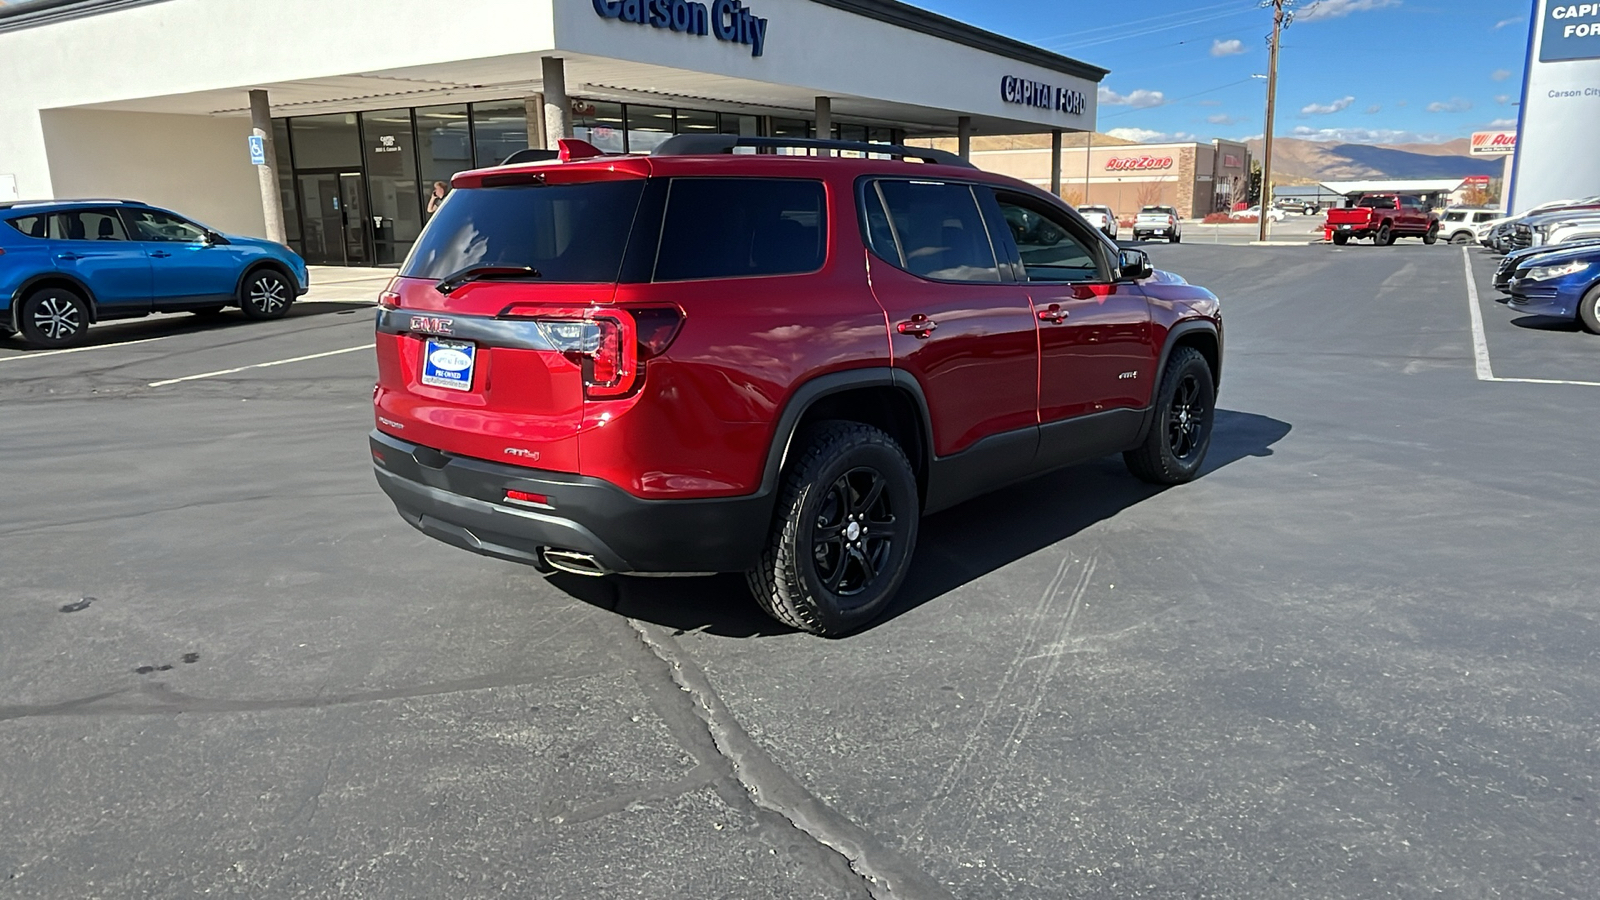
point(742, 227)
point(573, 233)
point(33, 226)
point(1376, 203)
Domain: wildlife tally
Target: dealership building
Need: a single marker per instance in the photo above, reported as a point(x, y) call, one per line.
point(1195, 179)
point(326, 125)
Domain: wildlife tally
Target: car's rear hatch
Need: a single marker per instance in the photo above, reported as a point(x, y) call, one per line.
point(486, 339)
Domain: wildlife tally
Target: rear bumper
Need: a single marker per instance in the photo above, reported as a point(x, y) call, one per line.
point(461, 501)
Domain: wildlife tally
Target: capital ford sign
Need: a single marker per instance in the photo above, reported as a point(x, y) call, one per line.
point(727, 20)
point(1137, 163)
point(1571, 31)
point(1039, 95)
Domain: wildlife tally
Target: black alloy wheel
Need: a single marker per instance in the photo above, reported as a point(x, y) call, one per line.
point(843, 532)
point(1175, 447)
point(53, 317)
point(266, 294)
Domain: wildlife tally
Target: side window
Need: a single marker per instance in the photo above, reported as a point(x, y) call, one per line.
point(940, 230)
point(150, 225)
point(1455, 217)
point(880, 237)
point(1484, 217)
point(1050, 251)
point(88, 225)
point(32, 226)
point(742, 227)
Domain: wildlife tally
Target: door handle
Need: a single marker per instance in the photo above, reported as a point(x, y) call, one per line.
point(919, 326)
point(160, 254)
point(1055, 315)
point(68, 256)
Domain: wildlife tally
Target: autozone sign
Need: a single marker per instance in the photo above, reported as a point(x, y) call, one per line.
point(1494, 143)
point(1137, 163)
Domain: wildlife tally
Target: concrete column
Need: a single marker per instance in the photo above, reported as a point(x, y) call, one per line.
point(557, 107)
point(534, 108)
point(1055, 162)
point(824, 122)
point(271, 200)
point(964, 137)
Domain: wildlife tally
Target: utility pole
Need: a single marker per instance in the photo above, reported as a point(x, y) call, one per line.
point(1282, 17)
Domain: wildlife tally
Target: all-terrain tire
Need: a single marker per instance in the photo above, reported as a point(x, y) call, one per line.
point(1186, 404)
point(266, 294)
point(1339, 240)
point(1384, 237)
point(843, 531)
point(53, 317)
point(1432, 237)
point(1589, 310)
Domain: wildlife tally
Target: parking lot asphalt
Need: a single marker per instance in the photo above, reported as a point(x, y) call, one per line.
point(1359, 658)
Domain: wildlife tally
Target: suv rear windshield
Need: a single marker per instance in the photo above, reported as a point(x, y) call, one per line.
point(573, 233)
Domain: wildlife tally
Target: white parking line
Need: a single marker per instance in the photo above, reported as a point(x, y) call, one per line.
point(265, 365)
point(6, 359)
point(1480, 342)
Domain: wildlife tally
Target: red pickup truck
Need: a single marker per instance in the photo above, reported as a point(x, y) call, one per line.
point(1382, 217)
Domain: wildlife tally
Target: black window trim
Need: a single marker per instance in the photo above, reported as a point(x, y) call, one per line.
point(1075, 227)
point(666, 208)
point(861, 214)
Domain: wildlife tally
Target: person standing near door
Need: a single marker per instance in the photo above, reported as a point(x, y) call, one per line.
point(437, 197)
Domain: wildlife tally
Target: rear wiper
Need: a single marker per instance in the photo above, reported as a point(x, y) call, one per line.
point(482, 273)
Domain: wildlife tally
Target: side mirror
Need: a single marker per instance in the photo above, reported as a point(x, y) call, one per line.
point(211, 239)
point(1134, 265)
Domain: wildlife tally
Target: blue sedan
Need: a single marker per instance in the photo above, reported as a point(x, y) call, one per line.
point(67, 263)
point(1564, 284)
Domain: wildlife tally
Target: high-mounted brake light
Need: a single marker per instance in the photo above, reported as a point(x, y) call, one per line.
point(574, 149)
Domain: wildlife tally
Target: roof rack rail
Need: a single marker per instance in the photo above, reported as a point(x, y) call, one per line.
point(714, 144)
point(13, 204)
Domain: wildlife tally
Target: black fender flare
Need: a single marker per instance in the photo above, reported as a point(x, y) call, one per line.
point(809, 392)
point(1174, 334)
point(54, 275)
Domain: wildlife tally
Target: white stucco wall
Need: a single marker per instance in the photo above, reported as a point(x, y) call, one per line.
point(196, 165)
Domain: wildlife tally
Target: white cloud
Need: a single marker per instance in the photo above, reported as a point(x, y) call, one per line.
point(1328, 109)
point(1374, 109)
point(1227, 48)
point(1251, 137)
point(1366, 136)
point(1504, 23)
point(1222, 119)
point(1502, 99)
point(1453, 105)
point(1140, 99)
point(1338, 9)
point(1500, 74)
point(1503, 123)
point(1146, 136)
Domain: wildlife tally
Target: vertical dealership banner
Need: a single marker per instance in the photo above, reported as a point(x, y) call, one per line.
point(1559, 129)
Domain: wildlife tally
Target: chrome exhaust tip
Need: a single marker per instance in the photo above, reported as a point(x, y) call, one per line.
point(574, 563)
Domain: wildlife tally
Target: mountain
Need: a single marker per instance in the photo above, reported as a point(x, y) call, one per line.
point(1297, 161)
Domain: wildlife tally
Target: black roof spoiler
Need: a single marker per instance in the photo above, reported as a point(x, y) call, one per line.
point(716, 144)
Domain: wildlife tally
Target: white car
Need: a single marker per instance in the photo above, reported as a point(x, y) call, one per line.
point(1102, 218)
point(1158, 222)
point(1254, 212)
point(1467, 225)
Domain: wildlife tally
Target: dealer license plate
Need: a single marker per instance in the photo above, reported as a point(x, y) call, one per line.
point(448, 364)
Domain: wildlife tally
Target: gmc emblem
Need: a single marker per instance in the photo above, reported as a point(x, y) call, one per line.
point(432, 324)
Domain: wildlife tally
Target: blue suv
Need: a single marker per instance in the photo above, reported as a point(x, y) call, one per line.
point(67, 263)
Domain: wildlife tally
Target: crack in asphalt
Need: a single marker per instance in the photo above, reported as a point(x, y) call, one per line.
point(885, 872)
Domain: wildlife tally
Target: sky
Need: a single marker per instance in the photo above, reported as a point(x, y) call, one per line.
point(1357, 71)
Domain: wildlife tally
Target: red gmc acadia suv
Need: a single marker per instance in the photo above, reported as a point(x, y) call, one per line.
point(713, 359)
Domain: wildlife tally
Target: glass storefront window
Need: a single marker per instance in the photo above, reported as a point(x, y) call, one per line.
point(648, 127)
point(744, 126)
point(695, 121)
point(500, 129)
point(325, 142)
point(285, 161)
point(396, 198)
point(598, 123)
point(791, 128)
point(444, 147)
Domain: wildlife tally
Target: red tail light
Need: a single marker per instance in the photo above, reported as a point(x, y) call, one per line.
point(610, 344)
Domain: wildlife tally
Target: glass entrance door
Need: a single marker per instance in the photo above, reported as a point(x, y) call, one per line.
point(335, 218)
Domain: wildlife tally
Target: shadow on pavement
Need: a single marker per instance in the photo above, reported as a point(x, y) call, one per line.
point(1546, 323)
point(124, 331)
point(954, 547)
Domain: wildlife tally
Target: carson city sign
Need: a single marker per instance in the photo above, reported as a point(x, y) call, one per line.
point(727, 20)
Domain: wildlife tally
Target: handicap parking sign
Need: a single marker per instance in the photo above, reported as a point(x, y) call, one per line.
point(258, 150)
